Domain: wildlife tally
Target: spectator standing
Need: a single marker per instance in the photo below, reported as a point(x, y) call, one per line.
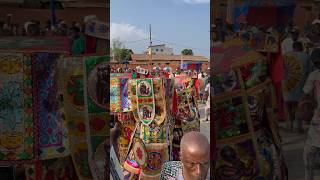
point(77, 41)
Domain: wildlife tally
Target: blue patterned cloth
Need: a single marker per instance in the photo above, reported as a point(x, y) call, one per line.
point(171, 170)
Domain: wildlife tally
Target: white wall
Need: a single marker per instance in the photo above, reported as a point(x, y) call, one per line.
point(162, 50)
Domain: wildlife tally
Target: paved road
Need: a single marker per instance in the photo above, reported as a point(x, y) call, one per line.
point(204, 127)
point(292, 145)
point(293, 152)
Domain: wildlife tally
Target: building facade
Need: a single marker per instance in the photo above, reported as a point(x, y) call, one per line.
point(173, 61)
point(161, 49)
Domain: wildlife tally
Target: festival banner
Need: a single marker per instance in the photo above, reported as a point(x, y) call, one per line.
point(96, 96)
point(119, 99)
point(72, 68)
point(246, 148)
point(231, 54)
point(48, 109)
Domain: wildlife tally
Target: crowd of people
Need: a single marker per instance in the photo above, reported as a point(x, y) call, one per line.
point(194, 148)
point(299, 50)
point(310, 37)
point(167, 72)
point(36, 28)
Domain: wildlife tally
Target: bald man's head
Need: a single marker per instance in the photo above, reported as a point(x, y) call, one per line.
point(195, 155)
point(195, 142)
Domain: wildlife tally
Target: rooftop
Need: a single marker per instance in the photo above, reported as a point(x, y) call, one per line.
point(145, 57)
point(157, 45)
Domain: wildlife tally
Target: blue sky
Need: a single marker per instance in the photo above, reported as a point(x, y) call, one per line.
point(181, 23)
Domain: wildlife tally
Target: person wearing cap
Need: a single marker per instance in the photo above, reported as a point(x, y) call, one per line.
point(309, 108)
point(287, 44)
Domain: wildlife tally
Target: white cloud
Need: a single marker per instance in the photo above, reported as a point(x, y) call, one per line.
point(196, 1)
point(126, 32)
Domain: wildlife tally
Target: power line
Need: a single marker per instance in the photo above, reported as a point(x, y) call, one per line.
point(135, 40)
point(144, 41)
point(140, 45)
point(184, 46)
point(181, 45)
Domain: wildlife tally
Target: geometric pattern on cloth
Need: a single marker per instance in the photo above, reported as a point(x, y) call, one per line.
point(97, 100)
point(157, 156)
point(187, 106)
point(244, 149)
point(16, 111)
point(153, 133)
point(170, 170)
point(115, 98)
point(125, 100)
point(127, 128)
point(119, 99)
point(49, 115)
point(75, 115)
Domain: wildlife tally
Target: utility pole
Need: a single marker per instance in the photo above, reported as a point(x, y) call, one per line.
point(150, 44)
point(53, 13)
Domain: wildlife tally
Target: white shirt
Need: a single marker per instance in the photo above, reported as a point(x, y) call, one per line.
point(313, 86)
point(286, 45)
point(207, 89)
point(171, 76)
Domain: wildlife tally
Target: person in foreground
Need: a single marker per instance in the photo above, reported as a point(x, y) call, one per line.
point(309, 107)
point(194, 156)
